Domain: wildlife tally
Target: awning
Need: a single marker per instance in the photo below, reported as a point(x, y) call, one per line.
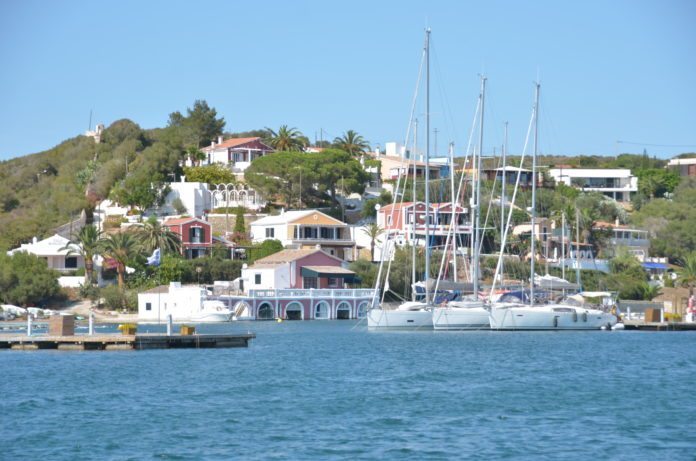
point(655, 266)
point(335, 272)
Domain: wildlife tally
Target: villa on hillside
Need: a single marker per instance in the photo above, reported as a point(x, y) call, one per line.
point(616, 183)
point(399, 219)
point(238, 153)
point(196, 236)
point(305, 229)
point(57, 257)
point(683, 166)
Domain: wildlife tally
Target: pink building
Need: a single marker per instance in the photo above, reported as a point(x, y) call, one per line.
point(301, 285)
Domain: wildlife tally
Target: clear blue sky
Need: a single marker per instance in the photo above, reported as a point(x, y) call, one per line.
point(617, 70)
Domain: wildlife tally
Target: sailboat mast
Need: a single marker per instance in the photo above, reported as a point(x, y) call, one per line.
point(563, 225)
point(502, 197)
point(427, 164)
point(453, 224)
point(534, 160)
point(477, 205)
point(414, 201)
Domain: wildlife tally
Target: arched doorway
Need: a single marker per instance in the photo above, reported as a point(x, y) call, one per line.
point(294, 311)
point(362, 309)
point(265, 312)
point(322, 310)
point(343, 311)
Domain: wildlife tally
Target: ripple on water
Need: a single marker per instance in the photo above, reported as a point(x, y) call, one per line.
point(329, 390)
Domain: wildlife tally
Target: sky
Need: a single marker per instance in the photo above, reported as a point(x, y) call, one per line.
point(615, 76)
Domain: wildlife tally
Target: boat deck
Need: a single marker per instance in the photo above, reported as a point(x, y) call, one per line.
point(659, 326)
point(124, 342)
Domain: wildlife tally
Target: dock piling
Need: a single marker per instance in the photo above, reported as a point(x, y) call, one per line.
point(28, 324)
point(91, 324)
point(169, 325)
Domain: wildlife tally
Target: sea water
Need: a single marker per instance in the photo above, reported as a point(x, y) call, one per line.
point(333, 390)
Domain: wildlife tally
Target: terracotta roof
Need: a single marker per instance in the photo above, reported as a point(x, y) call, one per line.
point(177, 221)
point(287, 256)
point(233, 142)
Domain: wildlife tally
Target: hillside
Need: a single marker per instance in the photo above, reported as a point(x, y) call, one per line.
point(41, 191)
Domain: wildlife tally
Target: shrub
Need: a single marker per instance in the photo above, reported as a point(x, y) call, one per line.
point(115, 299)
point(179, 206)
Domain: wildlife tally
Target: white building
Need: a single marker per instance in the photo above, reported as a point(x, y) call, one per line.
point(57, 257)
point(238, 153)
point(195, 196)
point(187, 303)
point(617, 183)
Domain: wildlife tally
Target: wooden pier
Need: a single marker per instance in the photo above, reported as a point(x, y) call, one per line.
point(659, 326)
point(124, 342)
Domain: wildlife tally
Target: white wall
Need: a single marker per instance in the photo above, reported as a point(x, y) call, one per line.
point(194, 195)
point(181, 302)
point(272, 278)
point(280, 232)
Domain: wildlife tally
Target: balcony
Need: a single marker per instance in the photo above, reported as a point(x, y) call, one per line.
point(362, 293)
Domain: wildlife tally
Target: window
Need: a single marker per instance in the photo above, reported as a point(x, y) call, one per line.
point(333, 282)
point(309, 282)
point(257, 279)
point(196, 235)
point(71, 262)
point(270, 232)
point(389, 220)
point(148, 306)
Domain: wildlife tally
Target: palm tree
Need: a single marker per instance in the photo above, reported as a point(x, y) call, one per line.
point(373, 230)
point(286, 139)
point(88, 244)
point(687, 274)
point(650, 292)
point(153, 235)
point(352, 143)
point(121, 247)
point(195, 155)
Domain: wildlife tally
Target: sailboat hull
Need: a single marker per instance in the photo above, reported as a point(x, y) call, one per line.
point(475, 317)
point(548, 317)
point(400, 319)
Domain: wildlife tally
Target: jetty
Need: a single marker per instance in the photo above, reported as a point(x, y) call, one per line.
point(61, 336)
point(125, 342)
point(659, 326)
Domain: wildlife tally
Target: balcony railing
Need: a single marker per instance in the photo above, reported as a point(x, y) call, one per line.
point(313, 293)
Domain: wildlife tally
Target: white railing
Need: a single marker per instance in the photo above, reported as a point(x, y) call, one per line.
point(313, 293)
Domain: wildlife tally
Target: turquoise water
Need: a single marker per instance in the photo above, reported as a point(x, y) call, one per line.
point(332, 390)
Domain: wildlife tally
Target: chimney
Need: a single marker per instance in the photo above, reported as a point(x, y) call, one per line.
point(35, 240)
point(219, 139)
point(616, 223)
point(183, 178)
point(212, 144)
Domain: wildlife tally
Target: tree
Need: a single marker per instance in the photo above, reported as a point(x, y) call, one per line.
point(373, 231)
point(25, 279)
point(239, 226)
point(352, 143)
point(210, 174)
point(686, 275)
point(121, 247)
point(87, 242)
point(286, 139)
point(195, 155)
point(200, 126)
point(154, 235)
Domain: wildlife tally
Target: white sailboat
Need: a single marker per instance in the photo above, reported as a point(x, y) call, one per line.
point(411, 314)
point(535, 316)
point(468, 314)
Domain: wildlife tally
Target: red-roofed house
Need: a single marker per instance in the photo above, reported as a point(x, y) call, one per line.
point(196, 236)
point(399, 219)
point(236, 152)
